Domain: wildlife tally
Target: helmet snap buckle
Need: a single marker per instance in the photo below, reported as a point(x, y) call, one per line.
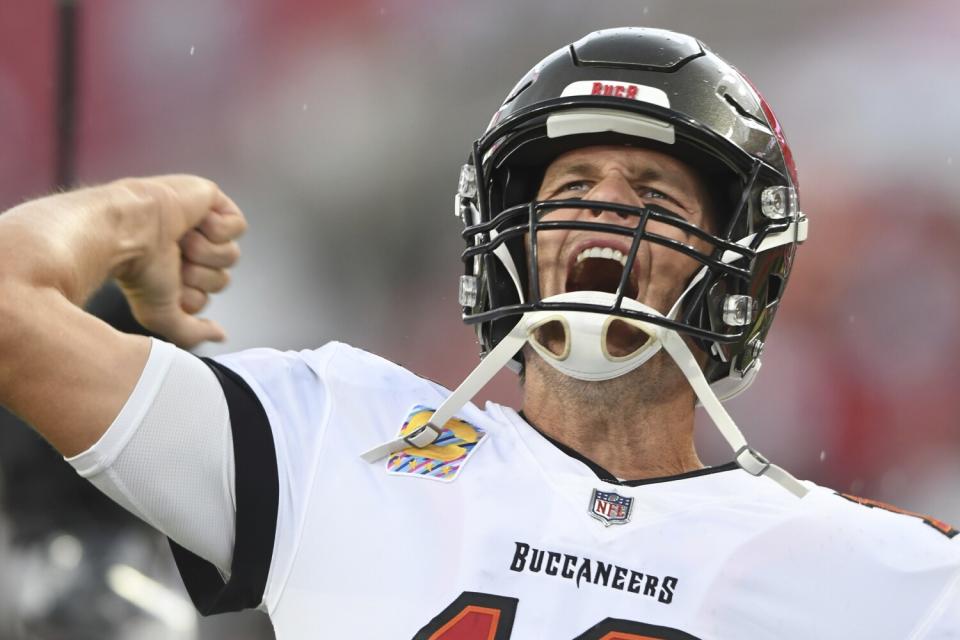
point(778, 203)
point(467, 295)
point(738, 310)
point(467, 187)
point(424, 436)
point(752, 461)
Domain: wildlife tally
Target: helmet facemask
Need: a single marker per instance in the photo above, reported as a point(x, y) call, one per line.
point(719, 306)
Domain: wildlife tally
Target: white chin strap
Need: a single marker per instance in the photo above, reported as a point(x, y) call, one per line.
point(585, 357)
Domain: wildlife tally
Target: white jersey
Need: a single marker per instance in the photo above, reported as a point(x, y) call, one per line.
point(495, 532)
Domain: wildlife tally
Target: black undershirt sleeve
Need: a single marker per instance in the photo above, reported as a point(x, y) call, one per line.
point(257, 494)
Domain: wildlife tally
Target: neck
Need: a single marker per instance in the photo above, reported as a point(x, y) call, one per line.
point(636, 426)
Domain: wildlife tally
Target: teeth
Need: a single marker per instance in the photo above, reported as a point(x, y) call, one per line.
point(602, 252)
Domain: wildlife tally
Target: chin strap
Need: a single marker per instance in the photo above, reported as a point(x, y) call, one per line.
point(471, 386)
point(748, 458)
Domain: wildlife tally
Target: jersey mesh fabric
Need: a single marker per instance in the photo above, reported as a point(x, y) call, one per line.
point(174, 467)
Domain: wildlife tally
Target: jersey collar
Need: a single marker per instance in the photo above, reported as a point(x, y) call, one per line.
point(606, 476)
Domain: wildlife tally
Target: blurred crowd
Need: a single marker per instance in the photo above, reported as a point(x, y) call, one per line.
point(340, 129)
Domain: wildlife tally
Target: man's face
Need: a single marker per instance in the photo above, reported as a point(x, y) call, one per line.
point(575, 260)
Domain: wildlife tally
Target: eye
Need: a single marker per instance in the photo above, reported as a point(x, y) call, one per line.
point(652, 194)
point(573, 186)
point(671, 204)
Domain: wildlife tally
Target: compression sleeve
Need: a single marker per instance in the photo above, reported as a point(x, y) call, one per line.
point(168, 456)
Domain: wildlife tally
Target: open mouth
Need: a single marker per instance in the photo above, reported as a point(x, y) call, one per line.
point(600, 268)
point(597, 267)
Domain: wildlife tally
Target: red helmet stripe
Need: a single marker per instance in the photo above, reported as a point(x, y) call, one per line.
point(777, 131)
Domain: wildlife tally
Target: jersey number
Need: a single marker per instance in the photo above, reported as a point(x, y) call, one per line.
point(481, 616)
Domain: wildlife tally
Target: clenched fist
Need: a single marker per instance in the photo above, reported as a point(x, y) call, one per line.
point(184, 256)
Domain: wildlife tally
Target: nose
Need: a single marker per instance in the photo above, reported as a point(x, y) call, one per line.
point(614, 187)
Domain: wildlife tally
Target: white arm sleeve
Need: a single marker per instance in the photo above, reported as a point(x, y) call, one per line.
point(168, 456)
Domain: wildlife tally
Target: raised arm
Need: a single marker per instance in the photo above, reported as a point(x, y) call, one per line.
point(169, 242)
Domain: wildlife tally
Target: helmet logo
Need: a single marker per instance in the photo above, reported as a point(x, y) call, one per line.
point(616, 89)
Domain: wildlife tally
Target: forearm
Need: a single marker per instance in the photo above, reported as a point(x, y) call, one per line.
point(73, 242)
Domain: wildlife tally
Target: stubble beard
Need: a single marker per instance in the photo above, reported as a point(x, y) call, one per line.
point(654, 384)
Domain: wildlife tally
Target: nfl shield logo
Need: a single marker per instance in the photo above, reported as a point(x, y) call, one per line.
point(610, 508)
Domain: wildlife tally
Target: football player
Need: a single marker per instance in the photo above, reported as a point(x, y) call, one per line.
point(631, 218)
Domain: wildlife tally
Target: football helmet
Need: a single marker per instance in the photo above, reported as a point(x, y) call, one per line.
point(653, 89)
point(656, 90)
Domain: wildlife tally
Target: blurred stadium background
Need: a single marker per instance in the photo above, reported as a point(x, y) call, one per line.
point(340, 129)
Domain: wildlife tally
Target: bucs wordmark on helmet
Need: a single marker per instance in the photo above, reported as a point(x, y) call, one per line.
point(653, 89)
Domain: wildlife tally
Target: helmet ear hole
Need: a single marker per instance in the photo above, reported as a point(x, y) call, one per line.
point(774, 288)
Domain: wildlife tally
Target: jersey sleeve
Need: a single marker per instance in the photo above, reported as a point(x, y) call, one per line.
point(279, 408)
point(168, 456)
point(256, 495)
point(216, 454)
